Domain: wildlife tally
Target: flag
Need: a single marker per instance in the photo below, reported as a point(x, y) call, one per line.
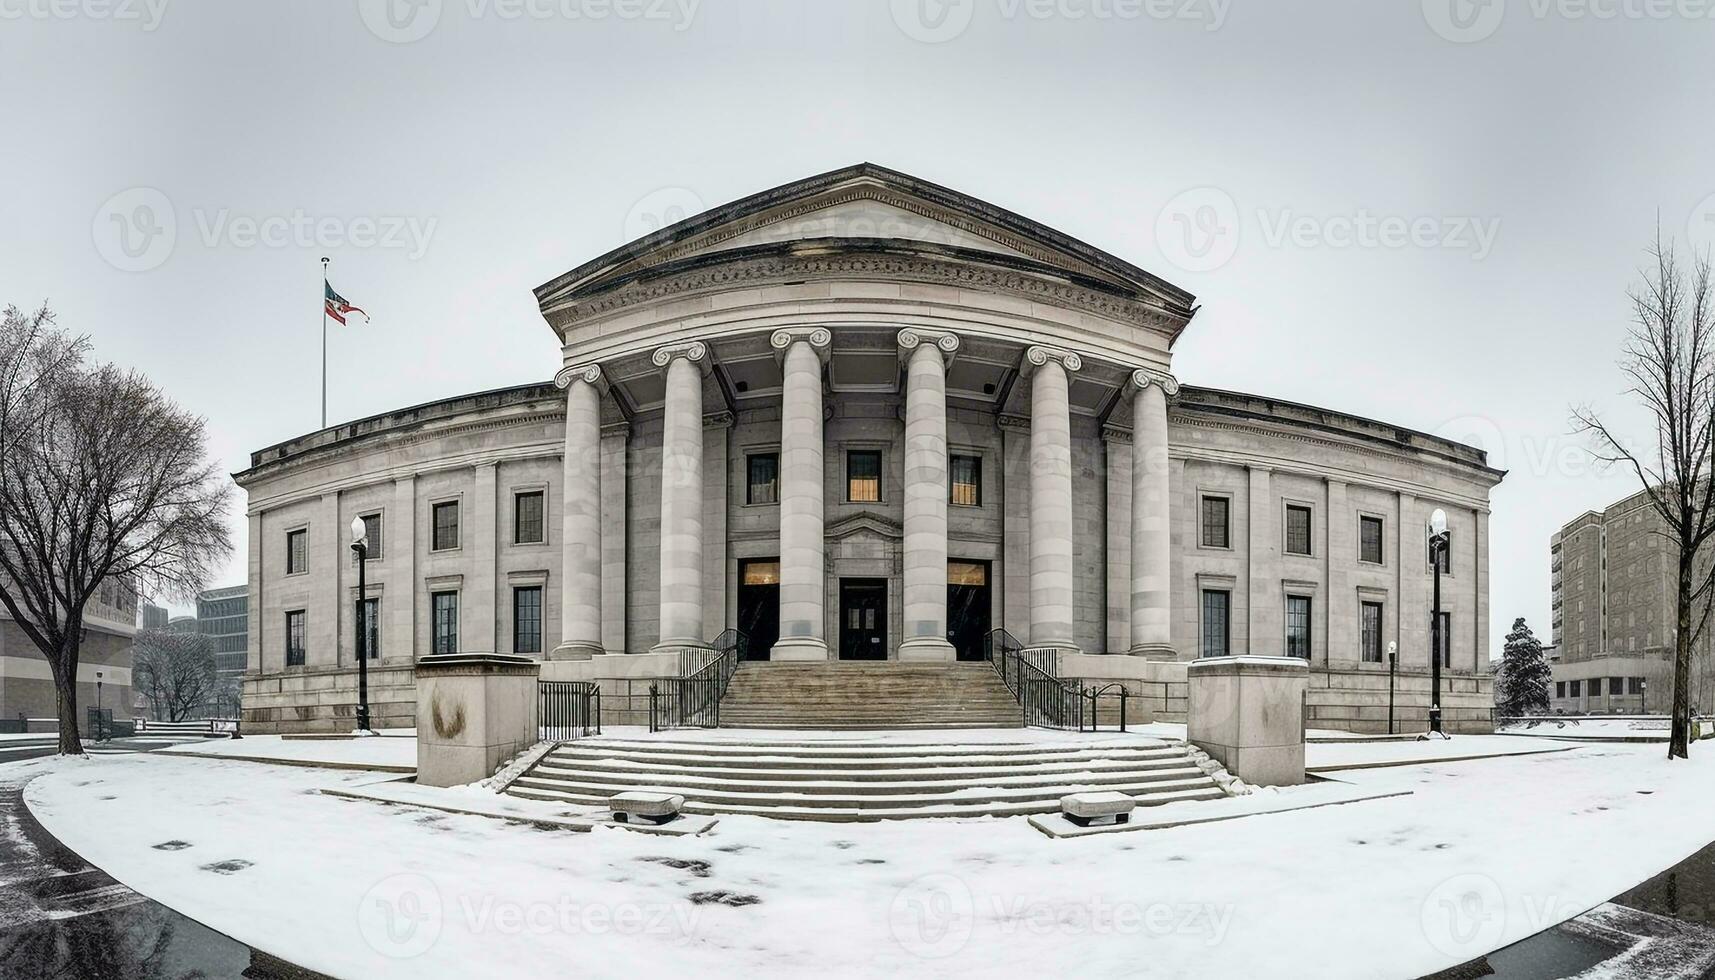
point(337, 307)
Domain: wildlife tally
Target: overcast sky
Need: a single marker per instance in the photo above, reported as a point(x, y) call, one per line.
point(1426, 213)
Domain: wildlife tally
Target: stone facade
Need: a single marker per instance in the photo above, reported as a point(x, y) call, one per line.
point(27, 684)
point(870, 416)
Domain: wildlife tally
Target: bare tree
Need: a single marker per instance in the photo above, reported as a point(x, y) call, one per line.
point(175, 672)
point(102, 477)
point(1670, 359)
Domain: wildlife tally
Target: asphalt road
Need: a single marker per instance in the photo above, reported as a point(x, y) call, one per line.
point(62, 918)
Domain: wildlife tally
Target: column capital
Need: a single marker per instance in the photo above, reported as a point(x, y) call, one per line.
point(616, 430)
point(1018, 423)
point(820, 339)
point(589, 373)
point(717, 420)
point(1114, 433)
point(695, 352)
point(912, 338)
point(1039, 354)
point(1142, 378)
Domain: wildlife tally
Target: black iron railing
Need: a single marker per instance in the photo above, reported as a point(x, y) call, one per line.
point(1045, 699)
point(693, 699)
point(568, 709)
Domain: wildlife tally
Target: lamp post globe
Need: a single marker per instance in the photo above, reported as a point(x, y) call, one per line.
point(360, 549)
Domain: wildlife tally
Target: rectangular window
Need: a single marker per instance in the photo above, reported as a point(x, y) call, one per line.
point(1445, 639)
point(444, 609)
point(764, 479)
point(372, 536)
point(446, 526)
point(1559, 689)
point(1297, 530)
point(1298, 626)
point(528, 526)
point(527, 619)
point(1217, 618)
point(1370, 631)
point(1635, 685)
point(372, 628)
point(967, 478)
point(1370, 539)
point(1616, 686)
point(1595, 687)
point(863, 477)
point(295, 638)
point(297, 551)
point(1575, 689)
point(1217, 528)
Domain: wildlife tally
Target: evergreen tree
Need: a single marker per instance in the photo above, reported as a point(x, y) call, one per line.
point(1522, 685)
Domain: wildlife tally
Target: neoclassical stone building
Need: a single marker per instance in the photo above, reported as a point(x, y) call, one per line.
point(862, 416)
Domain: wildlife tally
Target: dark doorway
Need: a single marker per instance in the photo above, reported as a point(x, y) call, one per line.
point(968, 607)
point(863, 619)
point(759, 605)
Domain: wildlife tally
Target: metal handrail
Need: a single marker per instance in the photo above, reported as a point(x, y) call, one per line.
point(693, 699)
point(1045, 699)
point(568, 709)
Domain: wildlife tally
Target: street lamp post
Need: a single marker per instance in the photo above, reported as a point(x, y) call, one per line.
point(360, 547)
point(1437, 549)
point(99, 727)
point(1392, 669)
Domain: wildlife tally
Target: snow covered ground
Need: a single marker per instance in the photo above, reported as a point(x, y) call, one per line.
point(380, 752)
point(1483, 853)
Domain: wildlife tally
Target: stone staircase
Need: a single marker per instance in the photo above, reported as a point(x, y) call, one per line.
point(862, 779)
point(868, 695)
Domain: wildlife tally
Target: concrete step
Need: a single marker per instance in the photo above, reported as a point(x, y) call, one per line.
point(823, 779)
point(1049, 784)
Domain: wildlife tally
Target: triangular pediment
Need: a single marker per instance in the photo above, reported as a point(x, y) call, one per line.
point(858, 207)
point(866, 524)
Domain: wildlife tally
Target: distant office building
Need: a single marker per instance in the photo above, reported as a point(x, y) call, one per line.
point(155, 617)
point(223, 615)
point(1612, 576)
point(182, 624)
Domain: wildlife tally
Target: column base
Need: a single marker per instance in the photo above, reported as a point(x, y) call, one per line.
point(927, 649)
point(1154, 651)
point(799, 649)
point(576, 651)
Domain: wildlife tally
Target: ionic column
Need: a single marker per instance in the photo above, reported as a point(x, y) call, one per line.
point(580, 513)
point(803, 629)
point(1051, 550)
point(926, 489)
point(682, 496)
point(1151, 552)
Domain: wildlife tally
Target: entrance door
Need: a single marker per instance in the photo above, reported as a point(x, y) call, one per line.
point(863, 619)
point(759, 605)
point(968, 610)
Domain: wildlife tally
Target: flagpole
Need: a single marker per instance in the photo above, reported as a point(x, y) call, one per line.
point(324, 342)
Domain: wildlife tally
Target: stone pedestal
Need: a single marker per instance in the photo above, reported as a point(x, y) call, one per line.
point(475, 711)
point(1248, 714)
